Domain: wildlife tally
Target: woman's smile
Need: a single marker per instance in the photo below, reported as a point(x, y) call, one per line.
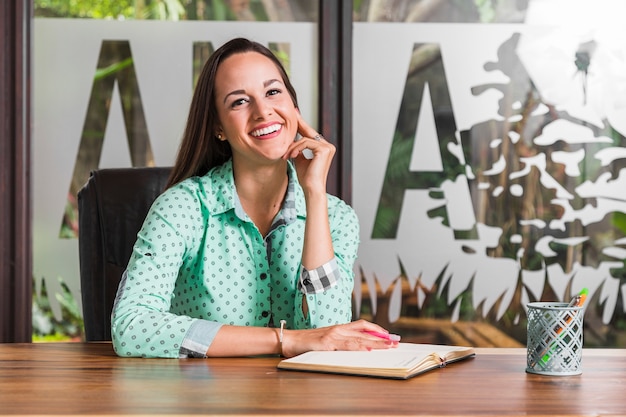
point(267, 132)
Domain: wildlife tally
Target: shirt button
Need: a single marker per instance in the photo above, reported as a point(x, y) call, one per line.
point(263, 275)
point(265, 313)
point(307, 281)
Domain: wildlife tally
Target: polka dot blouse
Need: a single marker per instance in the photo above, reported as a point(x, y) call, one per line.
point(199, 262)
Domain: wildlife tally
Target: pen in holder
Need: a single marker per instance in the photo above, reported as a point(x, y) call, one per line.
point(554, 338)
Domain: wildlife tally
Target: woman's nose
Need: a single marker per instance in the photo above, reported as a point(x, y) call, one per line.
point(262, 109)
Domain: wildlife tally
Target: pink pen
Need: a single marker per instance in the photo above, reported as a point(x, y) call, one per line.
point(388, 336)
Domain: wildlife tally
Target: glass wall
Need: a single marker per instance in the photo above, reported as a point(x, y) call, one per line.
point(112, 86)
point(489, 165)
point(487, 149)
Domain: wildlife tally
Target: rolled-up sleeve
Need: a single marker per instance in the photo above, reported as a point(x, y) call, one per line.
point(319, 279)
point(198, 339)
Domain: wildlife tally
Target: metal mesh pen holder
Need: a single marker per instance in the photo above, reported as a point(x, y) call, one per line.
point(554, 339)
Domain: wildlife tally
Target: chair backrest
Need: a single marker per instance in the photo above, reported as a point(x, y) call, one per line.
point(112, 206)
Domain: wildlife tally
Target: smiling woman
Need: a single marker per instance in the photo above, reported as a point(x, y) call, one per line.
point(245, 236)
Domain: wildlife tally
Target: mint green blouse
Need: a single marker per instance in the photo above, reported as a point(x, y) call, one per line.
point(199, 262)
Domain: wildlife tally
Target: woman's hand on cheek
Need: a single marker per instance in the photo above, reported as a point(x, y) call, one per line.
point(311, 172)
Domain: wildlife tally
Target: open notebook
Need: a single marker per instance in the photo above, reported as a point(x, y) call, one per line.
point(403, 362)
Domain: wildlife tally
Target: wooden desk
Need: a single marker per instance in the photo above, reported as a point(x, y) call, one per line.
point(88, 379)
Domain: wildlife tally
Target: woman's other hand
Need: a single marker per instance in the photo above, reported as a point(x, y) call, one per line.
point(350, 336)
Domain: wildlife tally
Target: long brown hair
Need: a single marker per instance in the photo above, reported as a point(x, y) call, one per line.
point(200, 150)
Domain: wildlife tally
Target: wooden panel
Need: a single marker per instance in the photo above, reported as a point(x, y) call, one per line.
point(335, 90)
point(15, 205)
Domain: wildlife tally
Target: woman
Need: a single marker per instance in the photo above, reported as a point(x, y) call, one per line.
point(244, 253)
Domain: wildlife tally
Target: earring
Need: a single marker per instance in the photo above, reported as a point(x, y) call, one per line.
point(219, 136)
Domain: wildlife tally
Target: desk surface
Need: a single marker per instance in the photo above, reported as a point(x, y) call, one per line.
point(88, 379)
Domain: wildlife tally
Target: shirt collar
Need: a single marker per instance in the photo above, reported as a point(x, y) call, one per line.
point(222, 195)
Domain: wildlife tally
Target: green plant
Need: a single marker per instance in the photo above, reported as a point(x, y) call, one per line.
point(46, 326)
point(436, 303)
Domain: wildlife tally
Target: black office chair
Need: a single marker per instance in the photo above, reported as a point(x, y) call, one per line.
point(112, 206)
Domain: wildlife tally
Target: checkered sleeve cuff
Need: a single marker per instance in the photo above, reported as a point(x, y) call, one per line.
point(319, 279)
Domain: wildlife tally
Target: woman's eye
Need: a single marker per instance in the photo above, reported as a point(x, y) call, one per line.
point(273, 92)
point(238, 102)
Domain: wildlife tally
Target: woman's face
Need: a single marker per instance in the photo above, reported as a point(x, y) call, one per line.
point(256, 113)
